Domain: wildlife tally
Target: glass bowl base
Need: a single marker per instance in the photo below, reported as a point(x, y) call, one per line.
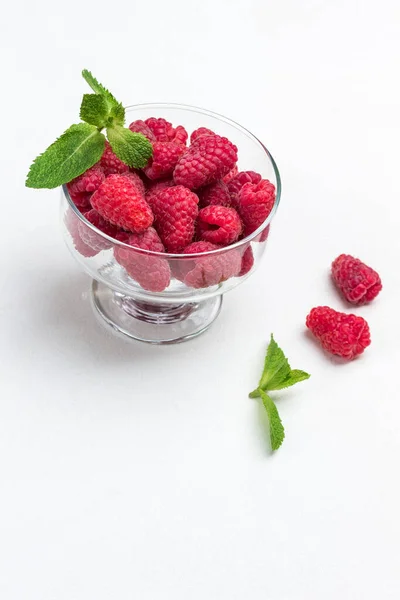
point(151, 322)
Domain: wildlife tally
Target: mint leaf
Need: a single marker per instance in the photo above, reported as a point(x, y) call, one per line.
point(132, 148)
point(276, 429)
point(117, 115)
point(94, 110)
point(116, 110)
point(76, 150)
point(276, 367)
point(97, 86)
point(294, 377)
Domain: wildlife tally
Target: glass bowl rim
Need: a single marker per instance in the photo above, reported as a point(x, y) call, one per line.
point(245, 241)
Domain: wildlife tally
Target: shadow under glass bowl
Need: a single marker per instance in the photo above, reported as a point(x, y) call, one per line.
point(190, 296)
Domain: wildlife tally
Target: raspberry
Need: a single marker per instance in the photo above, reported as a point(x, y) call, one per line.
point(89, 181)
point(198, 247)
point(140, 126)
point(237, 182)
point(80, 199)
point(137, 180)
point(256, 201)
point(200, 131)
point(119, 201)
point(122, 236)
point(247, 262)
point(111, 163)
point(81, 188)
point(93, 239)
point(175, 211)
point(214, 194)
point(209, 158)
point(72, 224)
point(204, 271)
point(218, 225)
point(151, 272)
point(165, 156)
point(339, 333)
point(358, 283)
point(161, 129)
point(232, 173)
point(263, 235)
point(156, 187)
point(180, 135)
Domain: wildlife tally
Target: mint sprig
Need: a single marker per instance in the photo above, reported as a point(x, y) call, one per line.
point(81, 146)
point(277, 375)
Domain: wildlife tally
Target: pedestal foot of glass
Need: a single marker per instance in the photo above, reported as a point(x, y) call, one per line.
point(155, 323)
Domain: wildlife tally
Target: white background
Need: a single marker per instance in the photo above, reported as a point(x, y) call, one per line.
point(130, 471)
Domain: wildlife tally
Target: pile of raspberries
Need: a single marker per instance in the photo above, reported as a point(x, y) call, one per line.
point(342, 334)
point(189, 199)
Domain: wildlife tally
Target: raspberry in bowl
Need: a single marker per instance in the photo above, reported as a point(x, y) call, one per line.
point(165, 242)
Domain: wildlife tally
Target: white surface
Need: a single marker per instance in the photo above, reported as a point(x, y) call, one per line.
point(129, 471)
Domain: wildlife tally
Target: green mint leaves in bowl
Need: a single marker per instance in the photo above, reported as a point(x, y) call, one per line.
point(82, 145)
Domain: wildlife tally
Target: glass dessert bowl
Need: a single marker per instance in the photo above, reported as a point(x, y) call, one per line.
point(159, 297)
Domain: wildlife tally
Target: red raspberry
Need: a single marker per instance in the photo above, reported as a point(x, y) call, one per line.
point(185, 267)
point(119, 201)
point(218, 225)
point(163, 131)
point(161, 128)
point(111, 163)
point(256, 201)
point(137, 180)
point(155, 187)
point(179, 135)
point(175, 211)
point(165, 156)
point(237, 182)
point(209, 158)
point(151, 272)
point(263, 235)
point(204, 271)
point(122, 236)
point(72, 224)
point(80, 199)
point(200, 131)
point(232, 173)
point(358, 283)
point(199, 247)
point(140, 126)
point(81, 188)
point(339, 333)
point(247, 262)
point(93, 239)
point(89, 181)
point(214, 194)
